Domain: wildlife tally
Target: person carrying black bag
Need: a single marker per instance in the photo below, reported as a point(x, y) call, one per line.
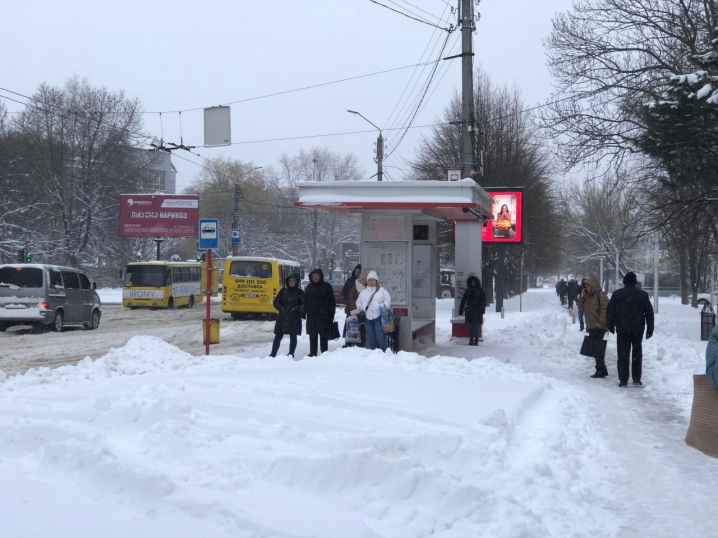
point(319, 307)
point(630, 313)
point(594, 302)
point(289, 302)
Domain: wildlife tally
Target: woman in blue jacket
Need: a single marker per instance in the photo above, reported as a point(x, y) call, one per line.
point(712, 358)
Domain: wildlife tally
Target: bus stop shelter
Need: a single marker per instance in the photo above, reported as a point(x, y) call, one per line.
point(398, 240)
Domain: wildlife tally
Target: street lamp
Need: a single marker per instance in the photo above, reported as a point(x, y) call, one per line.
point(379, 145)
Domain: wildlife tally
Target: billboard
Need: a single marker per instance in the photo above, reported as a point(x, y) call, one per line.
point(159, 215)
point(507, 209)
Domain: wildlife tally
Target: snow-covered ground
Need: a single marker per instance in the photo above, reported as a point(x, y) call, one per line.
point(518, 441)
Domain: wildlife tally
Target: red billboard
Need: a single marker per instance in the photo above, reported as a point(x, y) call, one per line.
point(159, 215)
point(505, 226)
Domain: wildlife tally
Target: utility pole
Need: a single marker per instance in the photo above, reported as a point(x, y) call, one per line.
point(618, 267)
point(656, 257)
point(235, 216)
point(379, 156)
point(468, 165)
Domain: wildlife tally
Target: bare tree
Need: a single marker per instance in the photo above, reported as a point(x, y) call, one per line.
point(608, 58)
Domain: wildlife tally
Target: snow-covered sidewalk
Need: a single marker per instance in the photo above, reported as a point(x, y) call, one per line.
point(518, 441)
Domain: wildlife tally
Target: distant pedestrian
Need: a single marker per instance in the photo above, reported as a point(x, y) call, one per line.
point(371, 301)
point(560, 290)
point(349, 284)
point(712, 358)
point(473, 307)
point(629, 313)
point(594, 302)
point(289, 302)
point(578, 306)
point(351, 307)
point(573, 290)
point(319, 307)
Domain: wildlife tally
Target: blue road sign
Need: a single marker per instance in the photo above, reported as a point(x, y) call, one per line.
point(208, 234)
point(236, 235)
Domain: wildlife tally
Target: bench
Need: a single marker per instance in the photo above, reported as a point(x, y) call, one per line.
point(420, 327)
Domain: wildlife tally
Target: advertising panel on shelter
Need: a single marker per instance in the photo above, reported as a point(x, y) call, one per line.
point(505, 226)
point(159, 215)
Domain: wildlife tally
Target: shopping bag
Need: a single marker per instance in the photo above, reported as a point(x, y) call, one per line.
point(703, 428)
point(387, 320)
point(353, 335)
point(334, 335)
point(593, 347)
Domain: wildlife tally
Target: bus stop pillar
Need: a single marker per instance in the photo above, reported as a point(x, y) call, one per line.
point(468, 262)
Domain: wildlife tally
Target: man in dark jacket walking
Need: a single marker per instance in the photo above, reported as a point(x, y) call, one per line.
point(629, 313)
point(319, 307)
point(572, 291)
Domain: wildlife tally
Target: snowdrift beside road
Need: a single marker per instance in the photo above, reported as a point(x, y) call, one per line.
point(151, 441)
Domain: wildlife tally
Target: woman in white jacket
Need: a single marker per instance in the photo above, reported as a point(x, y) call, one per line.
point(371, 300)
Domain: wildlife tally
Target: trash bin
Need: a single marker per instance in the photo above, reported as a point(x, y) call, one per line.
point(213, 331)
point(708, 321)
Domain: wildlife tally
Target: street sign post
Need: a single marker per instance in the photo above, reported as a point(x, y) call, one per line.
point(208, 240)
point(208, 234)
point(236, 236)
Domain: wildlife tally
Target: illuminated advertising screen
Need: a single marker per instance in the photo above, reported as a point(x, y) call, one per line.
point(159, 215)
point(505, 226)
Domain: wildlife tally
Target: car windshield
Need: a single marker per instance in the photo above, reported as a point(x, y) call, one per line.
point(147, 276)
point(249, 269)
point(21, 277)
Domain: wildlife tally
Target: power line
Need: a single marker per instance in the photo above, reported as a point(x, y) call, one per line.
point(409, 16)
point(423, 10)
point(294, 89)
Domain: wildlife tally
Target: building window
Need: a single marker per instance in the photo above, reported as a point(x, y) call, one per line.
point(156, 180)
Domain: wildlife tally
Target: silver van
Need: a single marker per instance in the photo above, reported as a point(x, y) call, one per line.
point(47, 296)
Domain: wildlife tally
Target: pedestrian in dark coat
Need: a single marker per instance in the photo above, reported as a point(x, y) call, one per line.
point(289, 302)
point(349, 284)
point(629, 313)
point(572, 292)
point(473, 307)
point(319, 307)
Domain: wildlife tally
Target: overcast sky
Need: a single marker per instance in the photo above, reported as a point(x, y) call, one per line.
point(186, 54)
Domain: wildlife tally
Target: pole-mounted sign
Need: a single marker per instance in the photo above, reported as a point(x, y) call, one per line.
point(208, 234)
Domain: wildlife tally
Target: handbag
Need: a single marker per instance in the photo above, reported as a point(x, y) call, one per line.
point(361, 316)
point(353, 327)
point(387, 320)
point(703, 428)
point(334, 333)
point(593, 347)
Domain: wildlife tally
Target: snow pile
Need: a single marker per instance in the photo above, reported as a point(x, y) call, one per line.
point(152, 441)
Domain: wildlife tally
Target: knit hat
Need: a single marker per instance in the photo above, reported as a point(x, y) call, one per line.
point(630, 278)
point(372, 274)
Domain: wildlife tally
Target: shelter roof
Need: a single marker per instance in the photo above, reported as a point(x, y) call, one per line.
point(455, 200)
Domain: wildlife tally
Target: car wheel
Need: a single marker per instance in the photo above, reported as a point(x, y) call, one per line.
point(3, 326)
point(57, 322)
point(703, 301)
point(191, 302)
point(445, 294)
point(171, 303)
point(94, 321)
point(236, 315)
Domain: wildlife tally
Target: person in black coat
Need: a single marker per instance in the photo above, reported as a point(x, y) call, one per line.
point(319, 307)
point(629, 312)
point(573, 290)
point(473, 307)
point(350, 283)
point(289, 302)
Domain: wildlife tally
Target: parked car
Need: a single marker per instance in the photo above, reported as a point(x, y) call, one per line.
point(703, 299)
point(47, 296)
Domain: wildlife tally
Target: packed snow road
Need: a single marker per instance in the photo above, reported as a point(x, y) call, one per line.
point(22, 349)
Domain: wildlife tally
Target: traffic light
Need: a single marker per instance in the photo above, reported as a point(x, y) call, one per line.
point(28, 257)
point(20, 255)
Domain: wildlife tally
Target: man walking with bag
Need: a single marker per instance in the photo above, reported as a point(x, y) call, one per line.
point(594, 302)
point(629, 313)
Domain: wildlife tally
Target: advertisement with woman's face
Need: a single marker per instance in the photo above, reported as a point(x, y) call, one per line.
point(505, 227)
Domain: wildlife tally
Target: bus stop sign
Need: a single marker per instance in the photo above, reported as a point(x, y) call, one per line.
point(208, 234)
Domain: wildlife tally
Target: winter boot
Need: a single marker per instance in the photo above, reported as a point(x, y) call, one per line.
point(601, 370)
point(471, 341)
